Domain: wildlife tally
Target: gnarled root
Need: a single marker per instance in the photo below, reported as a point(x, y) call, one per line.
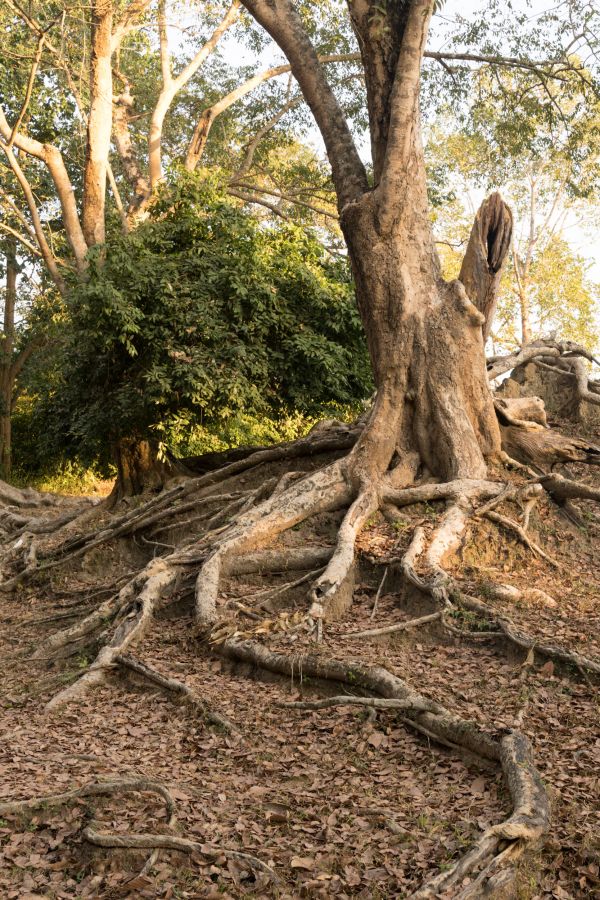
point(324, 490)
point(173, 686)
point(330, 582)
point(157, 577)
point(152, 842)
point(530, 818)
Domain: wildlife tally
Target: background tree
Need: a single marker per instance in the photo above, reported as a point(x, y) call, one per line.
point(195, 318)
point(547, 164)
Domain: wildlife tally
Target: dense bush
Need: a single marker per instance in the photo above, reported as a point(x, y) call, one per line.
point(203, 314)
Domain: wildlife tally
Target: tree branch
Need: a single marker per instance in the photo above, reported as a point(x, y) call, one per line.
point(171, 86)
point(201, 132)
point(284, 24)
point(45, 250)
point(52, 158)
point(404, 110)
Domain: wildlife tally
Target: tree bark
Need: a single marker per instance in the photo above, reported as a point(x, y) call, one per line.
point(139, 468)
point(171, 86)
point(434, 408)
point(99, 124)
point(6, 359)
point(486, 253)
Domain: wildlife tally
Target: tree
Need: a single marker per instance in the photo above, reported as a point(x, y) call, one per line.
point(547, 166)
point(17, 346)
point(195, 317)
point(432, 432)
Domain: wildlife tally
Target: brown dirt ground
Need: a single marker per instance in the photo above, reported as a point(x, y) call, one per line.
point(298, 789)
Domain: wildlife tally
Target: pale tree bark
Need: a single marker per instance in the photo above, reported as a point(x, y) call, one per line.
point(44, 248)
point(140, 186)
point(171, 86)
point(52, 157)
point(99, 124)
point(486, 252)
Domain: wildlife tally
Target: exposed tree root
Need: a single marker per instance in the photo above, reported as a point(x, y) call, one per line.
point(531, 813)
point(369, 702)
point(165, 507)
point(157, 577)
point(324, 490)
point(328, 585)
point(448, 593)
point(173, 842)
point(92, 789)
point(522, 535)
point(232, 541)
point(526, 642)
point(133, 841)
point(172, 686)
point(562, 489)
point(399, 626)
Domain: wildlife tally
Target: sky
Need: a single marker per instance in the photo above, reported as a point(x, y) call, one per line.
point(580, 239)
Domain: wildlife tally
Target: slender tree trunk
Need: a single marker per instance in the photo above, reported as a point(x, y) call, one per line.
point(139, 467)
point(7, 347)
point(99, 124)
point(525, 316)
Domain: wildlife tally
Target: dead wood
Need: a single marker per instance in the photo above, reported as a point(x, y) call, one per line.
point(545, 448)
point(561, 488)
point(486, 252)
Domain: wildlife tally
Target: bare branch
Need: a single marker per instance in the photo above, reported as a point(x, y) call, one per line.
point(129, 21)
point(45, 250)
point(201, 132)
point(171, 86)
point(21, 238)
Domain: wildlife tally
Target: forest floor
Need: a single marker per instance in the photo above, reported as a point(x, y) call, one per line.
point(339, 802)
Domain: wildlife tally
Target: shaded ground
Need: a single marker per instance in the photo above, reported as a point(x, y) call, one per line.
point(340, 803)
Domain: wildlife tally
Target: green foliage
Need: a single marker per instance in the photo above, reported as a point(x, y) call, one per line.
point(202, 315)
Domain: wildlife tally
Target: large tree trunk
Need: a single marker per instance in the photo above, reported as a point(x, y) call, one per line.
point(434, 405)
point(99, 124)
point(434, 409)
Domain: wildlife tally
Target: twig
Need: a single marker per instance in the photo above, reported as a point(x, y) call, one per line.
point(378, 594)
point(400, 626)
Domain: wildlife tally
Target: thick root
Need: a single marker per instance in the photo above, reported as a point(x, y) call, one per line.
point(158, 576)
point(530, 818)
point(328, 585)
point(322, 491)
